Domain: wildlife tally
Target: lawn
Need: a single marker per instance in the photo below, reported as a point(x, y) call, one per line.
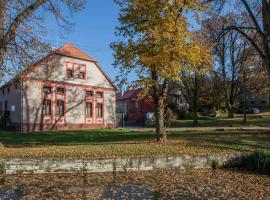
point(109, 143)
point(262, 120)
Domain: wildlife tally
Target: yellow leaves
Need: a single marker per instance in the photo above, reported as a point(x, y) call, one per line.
point(159, 39)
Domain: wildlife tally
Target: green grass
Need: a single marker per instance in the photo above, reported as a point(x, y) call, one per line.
point(101, 143)
point(259, 161)
point(262, 120)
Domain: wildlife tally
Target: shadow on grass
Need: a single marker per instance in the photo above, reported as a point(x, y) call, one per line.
point(215, 139)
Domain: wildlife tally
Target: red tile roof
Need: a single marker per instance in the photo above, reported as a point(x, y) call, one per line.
point(67, 50)
point(127, 95)
point(71, 51)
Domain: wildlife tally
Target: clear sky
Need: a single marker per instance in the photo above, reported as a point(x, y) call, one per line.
point(92, 32)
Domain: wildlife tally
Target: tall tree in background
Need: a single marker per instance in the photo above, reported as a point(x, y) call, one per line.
point(254, 26)
point(156, 44)
point(23, 30)
point(230, 52)
point(191, 78)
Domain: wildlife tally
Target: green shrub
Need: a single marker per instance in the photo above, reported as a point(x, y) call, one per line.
point(215, 164)
point(259, 161)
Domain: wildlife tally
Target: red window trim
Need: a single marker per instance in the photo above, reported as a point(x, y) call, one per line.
point(47, 99)
point(96, 102)
point(102, 111)
point(88, 100)
point(56, 114)
point(59, 93)
point(67, 68)
point(78, 70)
point(81, 70)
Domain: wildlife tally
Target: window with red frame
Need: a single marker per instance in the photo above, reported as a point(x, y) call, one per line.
point(82, 72)
point(60, 108)
point(99, 94)
point(47, 107)
point(88, 93)
point(47, 90)
point(60, 90)
point(99, 110)
point(89, 109)
point(70, 73)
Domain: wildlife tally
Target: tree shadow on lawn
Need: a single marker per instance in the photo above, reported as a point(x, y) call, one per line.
point(68, 138)
point(221, 139)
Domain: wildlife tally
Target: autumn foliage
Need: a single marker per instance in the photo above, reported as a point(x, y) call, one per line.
point(157, 44)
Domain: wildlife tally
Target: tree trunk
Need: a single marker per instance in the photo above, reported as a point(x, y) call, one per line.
point(195, 101)
point(160, 92)
point(159, 114)
point(245, 98)
point(230, 110)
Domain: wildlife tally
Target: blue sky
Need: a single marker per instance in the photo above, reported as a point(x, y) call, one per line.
point(93, 32)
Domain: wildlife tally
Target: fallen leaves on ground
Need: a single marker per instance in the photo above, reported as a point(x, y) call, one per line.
point(157, 184)
point(170, 148)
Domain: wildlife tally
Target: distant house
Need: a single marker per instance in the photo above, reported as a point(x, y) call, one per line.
point(135, 109)
point(65, 90)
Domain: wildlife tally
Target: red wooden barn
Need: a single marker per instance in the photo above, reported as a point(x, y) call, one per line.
point(134, 109)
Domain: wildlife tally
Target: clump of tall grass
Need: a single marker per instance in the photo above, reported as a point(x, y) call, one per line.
point(259, 161)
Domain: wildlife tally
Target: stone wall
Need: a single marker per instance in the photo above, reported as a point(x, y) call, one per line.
point(18, 166)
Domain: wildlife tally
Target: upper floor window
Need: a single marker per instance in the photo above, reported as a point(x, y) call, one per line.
point(60, 90)
point(3, 91)
point(8, 89)
point(47, 90)
point(99, 94)
point(82, 72)
point(69, 73)
point(82, 75)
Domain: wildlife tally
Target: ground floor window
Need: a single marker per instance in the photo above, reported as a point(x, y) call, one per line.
point(99, 110)
point(60, 108)
point(46, 107)
point(89, 111)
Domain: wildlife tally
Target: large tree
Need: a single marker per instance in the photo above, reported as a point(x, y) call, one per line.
point(23, 30)
point(254, 25)
point(230, 52)
point(156, 43)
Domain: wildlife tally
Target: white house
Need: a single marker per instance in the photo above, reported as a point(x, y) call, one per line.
point(65, 90)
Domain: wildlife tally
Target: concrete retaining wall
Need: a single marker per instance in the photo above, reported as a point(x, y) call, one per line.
point(121, 164)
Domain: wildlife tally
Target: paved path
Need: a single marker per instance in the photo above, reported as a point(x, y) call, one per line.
point(240, 128)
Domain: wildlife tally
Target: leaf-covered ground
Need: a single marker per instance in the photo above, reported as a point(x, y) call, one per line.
point(108, 143)
point(169, 184)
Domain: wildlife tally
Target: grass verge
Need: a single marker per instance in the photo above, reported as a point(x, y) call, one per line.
point(111, 143)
